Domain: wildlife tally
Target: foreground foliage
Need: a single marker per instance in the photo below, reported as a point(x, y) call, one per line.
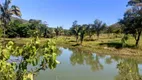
point(30, 54)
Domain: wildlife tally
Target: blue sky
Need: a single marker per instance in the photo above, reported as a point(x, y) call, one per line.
point(64, 12)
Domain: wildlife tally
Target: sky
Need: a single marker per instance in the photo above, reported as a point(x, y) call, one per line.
point(64, 12)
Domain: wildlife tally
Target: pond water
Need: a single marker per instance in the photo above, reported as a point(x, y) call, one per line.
point(79, 65)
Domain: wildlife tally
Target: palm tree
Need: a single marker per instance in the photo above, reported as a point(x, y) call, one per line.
point(75, 30)
point(90, 30)
point(98, 26)
point(6, 11)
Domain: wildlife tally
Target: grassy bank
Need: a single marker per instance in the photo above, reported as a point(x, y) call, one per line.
point(104, 45)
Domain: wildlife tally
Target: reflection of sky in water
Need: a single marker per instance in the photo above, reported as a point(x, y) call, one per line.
point(67, 71)
point(140, 68)
point(15, 59)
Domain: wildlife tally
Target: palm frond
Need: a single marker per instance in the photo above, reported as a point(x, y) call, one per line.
point(9, 1)
point(1, 9)
point(16, 11)
point(6, 4)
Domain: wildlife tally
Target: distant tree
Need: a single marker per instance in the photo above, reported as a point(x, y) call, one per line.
point(18, 28)
point(6, 11)
point(12, 29)
point(115, 28)
point(24, 30)
point(67, 32)
point(98, 26)
point(42, 30)
point(34, 24)
point(59, 31)
point(51, 32)
point(109, 30)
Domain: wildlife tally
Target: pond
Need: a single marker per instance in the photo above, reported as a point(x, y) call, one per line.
point(79, 65)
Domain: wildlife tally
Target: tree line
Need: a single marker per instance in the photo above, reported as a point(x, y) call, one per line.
point(19, 28)
point(98, 27)
point(27, 28)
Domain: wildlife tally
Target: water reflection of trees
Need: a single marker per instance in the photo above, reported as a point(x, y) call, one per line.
point(83, 58)
point(127, 68)
point(59, 51)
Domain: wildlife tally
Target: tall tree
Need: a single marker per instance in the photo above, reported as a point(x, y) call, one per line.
point(6, 11)
point(132, 19)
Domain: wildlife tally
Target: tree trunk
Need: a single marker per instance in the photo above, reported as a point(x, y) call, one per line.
point(81, 42)
point(90, 36)
point(108, 35)
point(82, 37)
point(138, 38)
point(76, 38)
point(98, 35)
point(4, 29)
point(135, 36)
point(3, 34)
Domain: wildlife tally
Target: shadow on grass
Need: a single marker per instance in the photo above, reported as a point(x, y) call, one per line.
point(118, 45)
point(76, 45)
point(72, 41)
point(90, 39)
